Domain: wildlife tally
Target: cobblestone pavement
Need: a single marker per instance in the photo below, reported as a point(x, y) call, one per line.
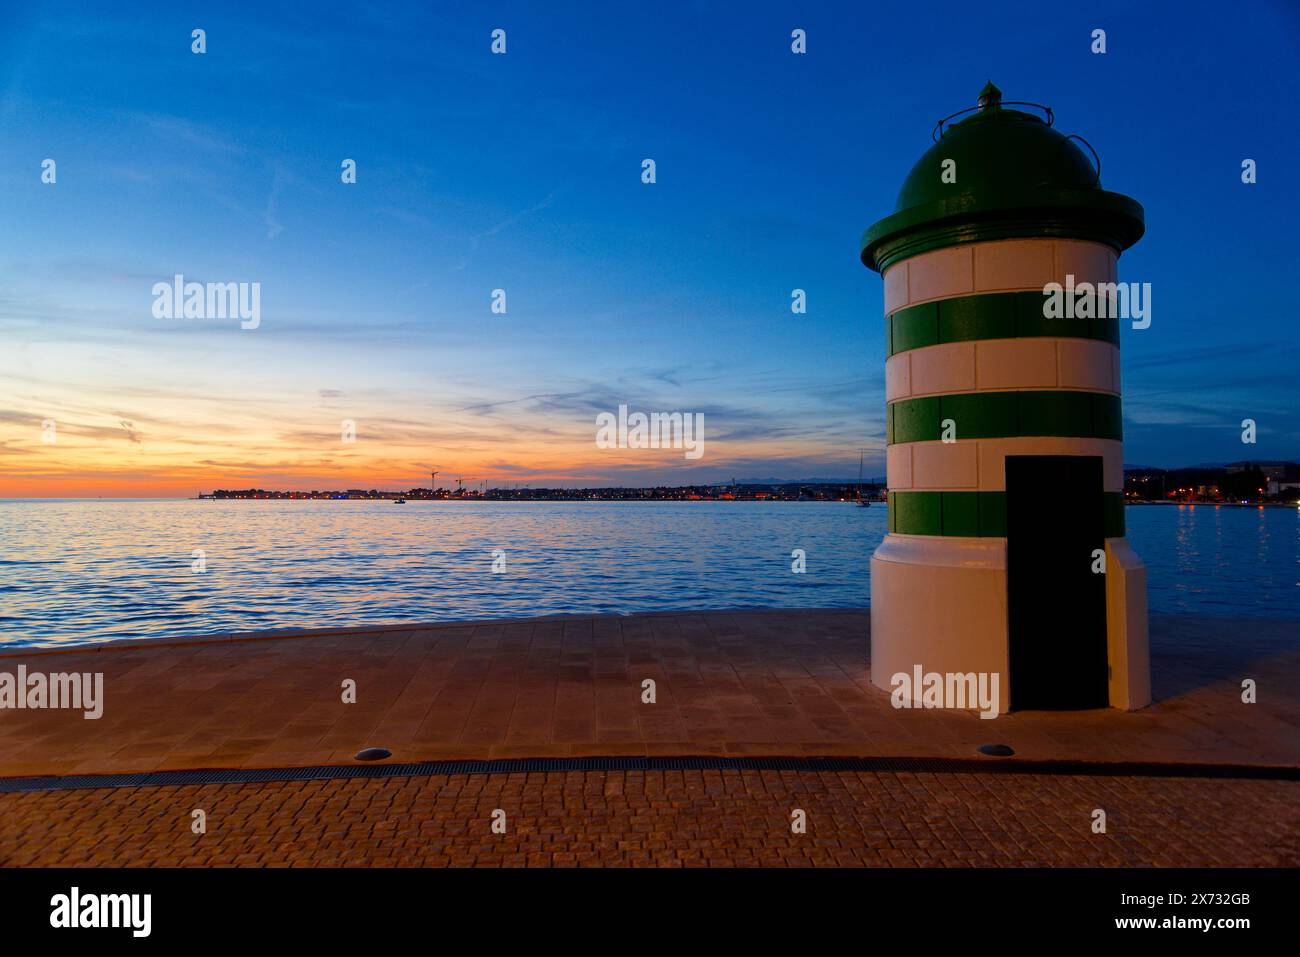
point(666, 818)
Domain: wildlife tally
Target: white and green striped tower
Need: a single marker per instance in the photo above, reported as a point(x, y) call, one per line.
point(1006, 551)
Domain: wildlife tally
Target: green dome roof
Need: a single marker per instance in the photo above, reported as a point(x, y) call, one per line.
point(1015, 176)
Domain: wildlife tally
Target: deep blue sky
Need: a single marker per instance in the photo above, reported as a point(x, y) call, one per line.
point(523, 172)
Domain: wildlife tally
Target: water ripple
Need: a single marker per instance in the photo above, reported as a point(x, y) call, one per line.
point(87, 571)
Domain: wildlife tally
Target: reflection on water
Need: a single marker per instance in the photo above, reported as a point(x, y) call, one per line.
point(1228, 561)
point(78, 571)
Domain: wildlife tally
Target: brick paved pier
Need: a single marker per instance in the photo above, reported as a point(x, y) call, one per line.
point(728, 683)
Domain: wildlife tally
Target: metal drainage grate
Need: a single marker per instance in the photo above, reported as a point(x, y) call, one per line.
point(687, 763)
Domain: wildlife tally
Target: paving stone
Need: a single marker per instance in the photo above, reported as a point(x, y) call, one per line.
point(772, 682)
point(666, 819)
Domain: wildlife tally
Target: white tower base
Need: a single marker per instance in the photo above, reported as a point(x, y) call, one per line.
point(941, 602)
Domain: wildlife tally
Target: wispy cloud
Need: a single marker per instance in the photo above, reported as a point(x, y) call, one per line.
point(476, 240)
point(129, 428)
point(272, 215)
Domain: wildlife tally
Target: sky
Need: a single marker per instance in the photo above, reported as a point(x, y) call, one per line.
point(523, 172)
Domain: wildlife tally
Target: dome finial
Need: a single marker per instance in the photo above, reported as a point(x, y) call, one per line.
point(990, 97)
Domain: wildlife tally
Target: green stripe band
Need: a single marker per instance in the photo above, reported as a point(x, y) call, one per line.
point(1000, 315)
point(974, 514)
point(1004, 415)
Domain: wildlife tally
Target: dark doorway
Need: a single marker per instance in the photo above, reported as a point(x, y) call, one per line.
point(1056, 604)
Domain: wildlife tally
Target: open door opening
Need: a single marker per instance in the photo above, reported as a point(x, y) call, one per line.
point(1056, 602)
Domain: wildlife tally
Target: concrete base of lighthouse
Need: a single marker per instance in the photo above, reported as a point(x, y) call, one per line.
point(940, 602)
point(1126, 627)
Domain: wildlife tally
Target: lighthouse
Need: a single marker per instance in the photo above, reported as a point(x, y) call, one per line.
point(1006, 551)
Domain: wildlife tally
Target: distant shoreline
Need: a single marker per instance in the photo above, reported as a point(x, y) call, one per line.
point(875, 501)
point(409, 500)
